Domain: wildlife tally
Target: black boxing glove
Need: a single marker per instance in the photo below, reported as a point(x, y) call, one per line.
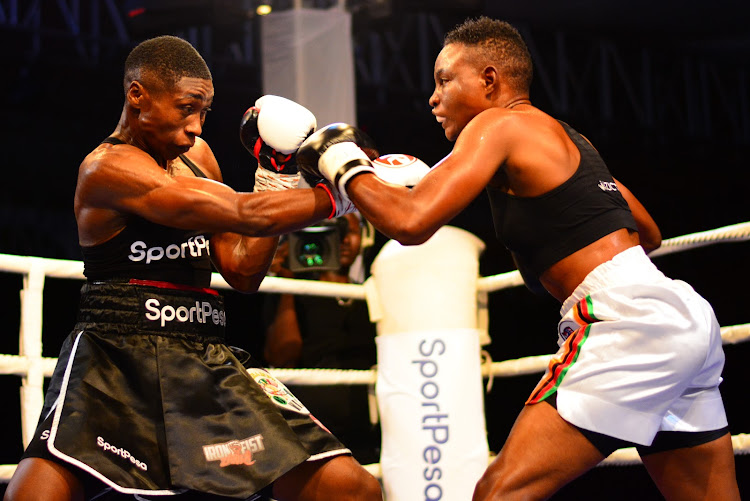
point(271, 131)
point(335, 153)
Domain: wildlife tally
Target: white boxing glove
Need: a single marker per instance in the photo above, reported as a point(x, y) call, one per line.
point(283, 124)
point(271, 131)
point(399, 168)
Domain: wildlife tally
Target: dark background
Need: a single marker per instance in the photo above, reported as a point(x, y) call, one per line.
point(686, 156)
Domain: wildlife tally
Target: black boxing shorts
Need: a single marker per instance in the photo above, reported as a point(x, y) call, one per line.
point(147, 399)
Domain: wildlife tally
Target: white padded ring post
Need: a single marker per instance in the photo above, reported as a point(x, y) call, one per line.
point(429, 383)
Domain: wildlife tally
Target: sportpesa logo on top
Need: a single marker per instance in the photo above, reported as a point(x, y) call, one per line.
point(201, 312)
point(192, 248)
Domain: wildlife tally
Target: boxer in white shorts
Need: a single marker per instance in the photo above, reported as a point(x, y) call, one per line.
point(651, 346)
point(624, 320)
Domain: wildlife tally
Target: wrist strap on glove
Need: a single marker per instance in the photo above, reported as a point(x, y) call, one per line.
point(340, 205)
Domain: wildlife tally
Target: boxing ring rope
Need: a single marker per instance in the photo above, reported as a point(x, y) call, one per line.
point(33, 368)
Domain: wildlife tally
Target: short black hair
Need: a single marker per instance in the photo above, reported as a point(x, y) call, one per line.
point(498, 42)
point(166, 57)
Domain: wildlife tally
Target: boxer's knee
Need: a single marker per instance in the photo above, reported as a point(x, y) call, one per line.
point(37, 478)
point(340, 478)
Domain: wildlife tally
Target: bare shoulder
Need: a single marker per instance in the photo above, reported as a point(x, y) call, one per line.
point(540, 155)
point(108, 159)
point(514, 125)
point(532, 128)
point(496, 119)
point(502, 133)
point(204, 158)
point(112, 172)
point(103, 178)
point(489, 132)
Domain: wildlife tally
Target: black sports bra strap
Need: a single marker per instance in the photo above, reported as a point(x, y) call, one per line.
point(196, 170)
point(191, 165)
point(113, 140)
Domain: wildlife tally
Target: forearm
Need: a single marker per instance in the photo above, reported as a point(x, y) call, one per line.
point(408, 215)
point(210, 206)
point(275, 213)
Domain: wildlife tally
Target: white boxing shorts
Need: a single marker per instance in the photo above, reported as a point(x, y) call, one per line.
point(639, 353)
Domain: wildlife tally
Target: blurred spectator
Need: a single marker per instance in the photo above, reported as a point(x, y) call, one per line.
point(331, 333)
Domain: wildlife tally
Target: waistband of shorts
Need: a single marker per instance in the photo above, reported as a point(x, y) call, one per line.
point(628, 267)
point(152, 307)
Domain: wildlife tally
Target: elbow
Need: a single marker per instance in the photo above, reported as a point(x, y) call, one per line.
point(413, 229)
point(244, 283)
point(651, 245)
point(412, 235)
point(245, 287)
point(650, 241)
point(409, 239)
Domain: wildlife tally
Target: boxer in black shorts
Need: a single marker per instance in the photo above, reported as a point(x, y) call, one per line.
point(147, 398)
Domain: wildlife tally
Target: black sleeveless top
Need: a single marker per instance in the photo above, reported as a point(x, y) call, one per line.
point(148, 251)
point(540, 231)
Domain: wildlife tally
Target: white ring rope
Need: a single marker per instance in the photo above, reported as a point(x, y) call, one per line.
point(61, 268)
point(733, 233)
point(18, 365)
point(34, 368)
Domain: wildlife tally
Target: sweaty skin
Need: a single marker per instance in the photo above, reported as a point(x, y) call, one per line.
point(146, 178)
point(501, 140)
